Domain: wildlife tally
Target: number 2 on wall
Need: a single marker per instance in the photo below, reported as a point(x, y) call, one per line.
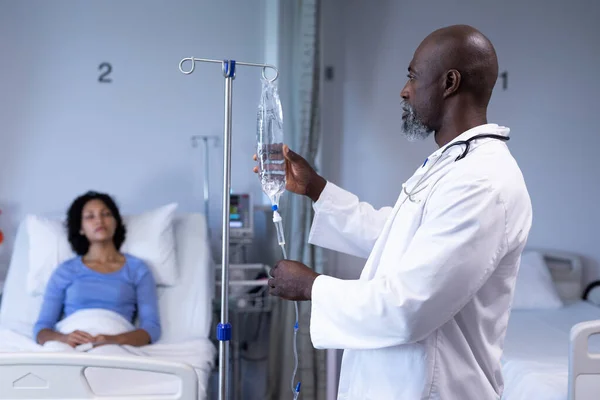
point(106, 69)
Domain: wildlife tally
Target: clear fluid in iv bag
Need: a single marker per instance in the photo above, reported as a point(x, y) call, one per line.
point(272, 170)
point(269, 141)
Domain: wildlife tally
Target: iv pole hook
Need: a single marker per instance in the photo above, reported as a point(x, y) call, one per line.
point(193, 60)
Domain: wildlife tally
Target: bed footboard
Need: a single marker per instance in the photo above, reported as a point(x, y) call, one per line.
point(584, 367)
point(61, 375)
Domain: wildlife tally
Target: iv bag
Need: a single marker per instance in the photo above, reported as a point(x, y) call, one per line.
point(269, 143)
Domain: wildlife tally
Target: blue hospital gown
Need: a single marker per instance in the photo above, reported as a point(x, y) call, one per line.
point(129, 291)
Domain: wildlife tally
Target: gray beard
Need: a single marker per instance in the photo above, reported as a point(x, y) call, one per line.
point(412, 127)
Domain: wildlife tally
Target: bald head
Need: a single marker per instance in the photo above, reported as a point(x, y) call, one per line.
point(466, 50)
point(451, 78)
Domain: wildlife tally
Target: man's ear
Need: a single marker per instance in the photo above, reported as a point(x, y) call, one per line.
point(452, 82)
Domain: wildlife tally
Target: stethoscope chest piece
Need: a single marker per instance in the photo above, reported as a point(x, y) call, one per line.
point(410, 196)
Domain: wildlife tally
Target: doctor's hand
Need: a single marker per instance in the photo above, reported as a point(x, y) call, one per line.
point(300, 177)
point(292, 280)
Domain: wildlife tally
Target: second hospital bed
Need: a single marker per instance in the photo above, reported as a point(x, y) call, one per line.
point(545, 349)
point(178, 366)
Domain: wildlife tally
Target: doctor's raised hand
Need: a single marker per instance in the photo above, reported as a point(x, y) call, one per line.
point(300, 177)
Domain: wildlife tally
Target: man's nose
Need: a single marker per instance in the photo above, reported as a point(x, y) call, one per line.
point(404, 93)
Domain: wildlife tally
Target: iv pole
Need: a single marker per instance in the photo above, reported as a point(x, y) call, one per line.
point(224, 327)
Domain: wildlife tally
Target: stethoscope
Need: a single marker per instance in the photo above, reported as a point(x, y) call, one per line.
point(410, 195)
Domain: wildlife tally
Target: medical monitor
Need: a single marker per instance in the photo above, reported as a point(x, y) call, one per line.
point(241, 216)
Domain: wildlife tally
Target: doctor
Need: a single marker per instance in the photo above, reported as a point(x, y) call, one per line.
point(428, 316)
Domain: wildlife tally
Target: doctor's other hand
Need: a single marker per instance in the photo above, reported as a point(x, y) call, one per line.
point(76, 338)
point(292, 280)
point(300, 177)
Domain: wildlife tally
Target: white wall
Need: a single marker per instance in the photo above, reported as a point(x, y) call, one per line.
point(62, 132)
point(550, 50)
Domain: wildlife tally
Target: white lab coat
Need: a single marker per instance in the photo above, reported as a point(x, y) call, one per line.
point(428, 316)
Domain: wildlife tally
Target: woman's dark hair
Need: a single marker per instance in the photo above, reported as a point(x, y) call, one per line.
point(79, 243)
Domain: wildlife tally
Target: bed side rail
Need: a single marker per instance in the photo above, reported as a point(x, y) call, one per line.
point(584, 367)
point(61, 376)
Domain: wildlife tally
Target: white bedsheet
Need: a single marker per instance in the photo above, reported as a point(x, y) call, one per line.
point(536, 351)
point(199, 353)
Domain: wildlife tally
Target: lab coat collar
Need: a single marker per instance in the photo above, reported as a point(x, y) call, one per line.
point(477, 130)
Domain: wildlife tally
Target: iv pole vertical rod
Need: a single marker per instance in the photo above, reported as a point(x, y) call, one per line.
point(224, 344)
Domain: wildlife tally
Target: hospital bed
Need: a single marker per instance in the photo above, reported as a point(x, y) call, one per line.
point(549, 354)
point(185, 312)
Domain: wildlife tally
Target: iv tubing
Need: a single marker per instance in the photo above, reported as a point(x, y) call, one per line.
point(277, 220)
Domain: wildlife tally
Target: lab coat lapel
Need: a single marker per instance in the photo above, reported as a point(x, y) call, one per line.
point(417, 181)
point(369, 269)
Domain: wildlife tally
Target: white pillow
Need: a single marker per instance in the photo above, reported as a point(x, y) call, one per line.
point(150, 237)
point(535, 288)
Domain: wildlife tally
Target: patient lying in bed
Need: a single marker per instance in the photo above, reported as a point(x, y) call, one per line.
point(92, 299)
